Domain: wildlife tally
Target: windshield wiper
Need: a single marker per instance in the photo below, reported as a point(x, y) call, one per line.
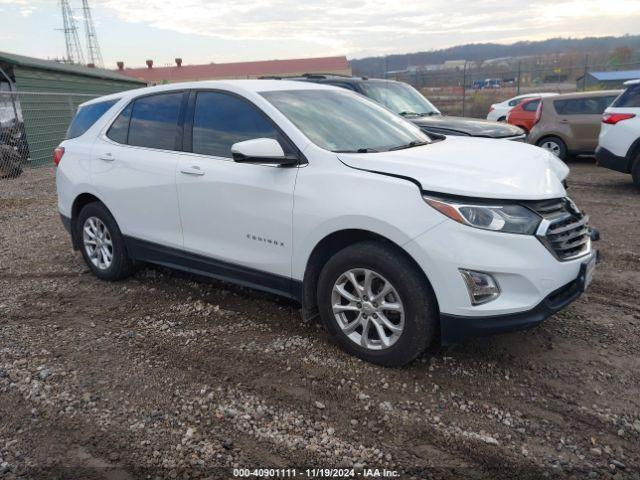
point(415, 143)
point(359, 150)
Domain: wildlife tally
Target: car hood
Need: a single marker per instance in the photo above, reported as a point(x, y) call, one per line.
point(468, 126)
point(472, 167)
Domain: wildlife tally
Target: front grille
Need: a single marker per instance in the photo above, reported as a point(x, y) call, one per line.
point(564, 229)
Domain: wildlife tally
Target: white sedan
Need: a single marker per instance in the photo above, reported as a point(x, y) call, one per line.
point(498, 111)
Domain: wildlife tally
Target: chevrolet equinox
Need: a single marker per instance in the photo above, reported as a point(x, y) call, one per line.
point(309, 191)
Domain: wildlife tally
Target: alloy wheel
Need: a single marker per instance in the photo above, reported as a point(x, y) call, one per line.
point(552, 146)
point(97, 243)
point(368, 309)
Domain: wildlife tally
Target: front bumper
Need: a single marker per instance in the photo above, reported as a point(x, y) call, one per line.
point(454, 328)
point(610, 160)
point(533, 283)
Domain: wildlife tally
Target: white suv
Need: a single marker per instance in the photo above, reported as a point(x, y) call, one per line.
point(619, 141)
point(498, 111)
point(321, 195)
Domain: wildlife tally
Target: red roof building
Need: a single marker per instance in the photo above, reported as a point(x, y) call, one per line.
point(217, 71)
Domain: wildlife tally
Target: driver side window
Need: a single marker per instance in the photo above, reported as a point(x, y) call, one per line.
point(220, 120)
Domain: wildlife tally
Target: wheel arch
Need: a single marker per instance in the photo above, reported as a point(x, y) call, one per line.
point(633, 155)
point(550, 135)
point(78, 204)
point(329, 246)
point(560, 137)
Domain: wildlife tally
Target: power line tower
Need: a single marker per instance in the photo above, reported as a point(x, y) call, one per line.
point(93, 48)
point(70, 29)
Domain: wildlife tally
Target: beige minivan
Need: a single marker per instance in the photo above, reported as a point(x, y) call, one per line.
point(569, 124)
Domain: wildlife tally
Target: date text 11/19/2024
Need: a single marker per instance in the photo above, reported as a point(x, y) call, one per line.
point(314, 473)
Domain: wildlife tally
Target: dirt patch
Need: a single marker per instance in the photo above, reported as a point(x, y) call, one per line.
point(171, 376)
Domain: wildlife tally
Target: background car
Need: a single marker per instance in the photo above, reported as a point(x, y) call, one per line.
point(569, 124)
point(498, 111)
point(403, 99)
point(619, 142)
point(523, 115)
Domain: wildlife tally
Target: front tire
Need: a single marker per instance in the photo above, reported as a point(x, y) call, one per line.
point(102, 244)
point(554, 145)
point(376, 304)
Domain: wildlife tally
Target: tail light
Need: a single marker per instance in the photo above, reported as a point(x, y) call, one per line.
point(538, 113)
point(613, 118)
point(57, 155)
point(491, 109)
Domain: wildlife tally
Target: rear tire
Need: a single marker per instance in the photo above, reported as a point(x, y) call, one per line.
point(102, 244)
point(555, 145)
point(502, 119)
point(407, 316)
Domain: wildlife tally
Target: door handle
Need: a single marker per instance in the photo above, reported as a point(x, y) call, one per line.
point(193, 170)
point(564, 121)
point(106, 157)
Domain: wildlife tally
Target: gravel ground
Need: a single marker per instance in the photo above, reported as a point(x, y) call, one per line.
point(166, 375)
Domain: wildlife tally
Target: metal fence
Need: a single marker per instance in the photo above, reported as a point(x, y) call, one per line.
point(468, 89)
point(31, 126)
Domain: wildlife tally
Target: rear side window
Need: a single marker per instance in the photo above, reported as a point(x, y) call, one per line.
point(532, 106)
point(630, 98)
point(119, 129)
point(220, 120)
point(515, 101)
point(87, 116)
point(154, 121)
point(580, 106)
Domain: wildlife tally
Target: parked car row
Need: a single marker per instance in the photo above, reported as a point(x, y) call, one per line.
point(396, 238)
point(606, 123)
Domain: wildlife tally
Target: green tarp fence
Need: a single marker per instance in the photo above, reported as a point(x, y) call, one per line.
point(48, 101)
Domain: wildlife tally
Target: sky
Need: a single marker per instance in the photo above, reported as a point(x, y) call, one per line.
point(204, 31)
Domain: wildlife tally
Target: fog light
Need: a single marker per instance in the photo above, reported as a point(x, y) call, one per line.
point(482, 287)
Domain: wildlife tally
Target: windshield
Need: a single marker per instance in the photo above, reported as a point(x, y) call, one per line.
point(342, 121)
point(400, 98)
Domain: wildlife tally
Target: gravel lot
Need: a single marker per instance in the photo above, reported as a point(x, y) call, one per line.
point(170, 376)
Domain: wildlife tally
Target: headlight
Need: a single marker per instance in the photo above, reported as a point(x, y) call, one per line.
point(498, 218)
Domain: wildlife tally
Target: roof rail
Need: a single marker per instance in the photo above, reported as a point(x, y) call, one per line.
point(278, 77)
point(310, 75)
point(325, 75)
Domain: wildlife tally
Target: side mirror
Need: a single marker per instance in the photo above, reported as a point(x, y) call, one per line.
point(261, 150)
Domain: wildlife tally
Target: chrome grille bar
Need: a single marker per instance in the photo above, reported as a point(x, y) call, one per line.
point(564, 229)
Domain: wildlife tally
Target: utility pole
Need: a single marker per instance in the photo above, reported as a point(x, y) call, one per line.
point(519, 73)
point(93, 47)
point(464, 86)
point(586, 70)
point(70, 29)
